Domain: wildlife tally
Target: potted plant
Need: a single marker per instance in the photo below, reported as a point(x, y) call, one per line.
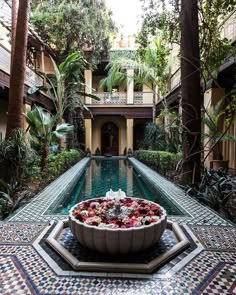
point(214, 120)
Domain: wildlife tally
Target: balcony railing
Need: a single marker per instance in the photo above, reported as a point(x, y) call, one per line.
point(31, 79)
point(120, 98)
point(143, 97)
point(229, 28)
point(175, 80)
point(110, 98)
point(138, 97)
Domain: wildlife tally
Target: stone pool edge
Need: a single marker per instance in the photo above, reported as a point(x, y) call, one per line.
point(35, 209)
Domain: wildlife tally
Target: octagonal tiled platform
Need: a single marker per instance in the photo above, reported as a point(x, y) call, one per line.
point(172, 243)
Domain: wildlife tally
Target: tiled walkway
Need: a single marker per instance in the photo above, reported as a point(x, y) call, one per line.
point(27, 266)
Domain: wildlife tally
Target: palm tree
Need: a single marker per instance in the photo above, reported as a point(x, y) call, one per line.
point(149, 71)
point(45, 130)
point(13, 27)
point(17, 78)
point(113, 79)
point(66, 86)
point(190, 90)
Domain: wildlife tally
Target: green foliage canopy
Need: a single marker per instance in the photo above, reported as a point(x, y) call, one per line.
point(149, 68)
point(162, 17)
point(68, 26)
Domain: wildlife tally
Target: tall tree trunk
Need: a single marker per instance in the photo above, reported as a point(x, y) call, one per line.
point(13, 28)
point(190, 88)
point(15, 104)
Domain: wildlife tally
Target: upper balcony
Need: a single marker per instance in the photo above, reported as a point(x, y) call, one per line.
point(229, 28)
point(31, 78)
point(175, 79)
point(123, 95)
point(120, 98)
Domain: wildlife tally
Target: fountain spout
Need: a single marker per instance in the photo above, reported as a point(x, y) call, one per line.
point(117, 210)
point(117, 196)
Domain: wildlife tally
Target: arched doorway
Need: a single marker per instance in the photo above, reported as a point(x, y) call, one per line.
point(110, 139)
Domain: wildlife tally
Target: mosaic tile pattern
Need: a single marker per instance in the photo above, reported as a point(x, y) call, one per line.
point(20, 232)
point(196, 214)
point(34, 211)
point(23, 270)
point(199, 215)
point(44, 281)
point(209, 272)
point(167, 269)
point(221, 279)
point(67, 240)
point(12, 279)
point(215, 237)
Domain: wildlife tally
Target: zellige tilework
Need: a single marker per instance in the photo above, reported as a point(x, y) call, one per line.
point(208, 268)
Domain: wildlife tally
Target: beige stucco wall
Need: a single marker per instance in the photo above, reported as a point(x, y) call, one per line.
point(147, 88)
point(3, 118)
point(27, 108)
point(174, 59)
point(148, 98)
point(48, 66)
point(97, 124)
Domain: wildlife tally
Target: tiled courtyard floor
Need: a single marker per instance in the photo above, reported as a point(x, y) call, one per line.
point(29, 266)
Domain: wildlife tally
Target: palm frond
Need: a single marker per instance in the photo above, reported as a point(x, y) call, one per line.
point(88, 94)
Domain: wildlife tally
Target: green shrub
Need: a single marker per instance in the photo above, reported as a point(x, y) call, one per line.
point(218, 191)
point(157, 138)
point(10, 197)
point(58, 163)
point(161, 161)
point(15, 157)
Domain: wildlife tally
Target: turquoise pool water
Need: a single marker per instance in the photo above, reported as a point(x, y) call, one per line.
point(104, 174)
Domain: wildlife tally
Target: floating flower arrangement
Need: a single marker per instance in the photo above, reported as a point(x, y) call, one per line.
point(126, 213)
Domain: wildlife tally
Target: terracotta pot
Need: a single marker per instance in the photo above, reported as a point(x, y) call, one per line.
point(117, 240)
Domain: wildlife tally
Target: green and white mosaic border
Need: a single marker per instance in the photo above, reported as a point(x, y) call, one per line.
point(197, 213)
point(35, 210)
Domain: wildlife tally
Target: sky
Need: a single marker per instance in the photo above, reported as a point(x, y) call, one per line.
point(125, 13)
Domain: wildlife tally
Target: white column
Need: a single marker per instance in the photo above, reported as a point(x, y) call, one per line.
point(88, 83)
point(211, 97)
point(130, 86)
point(130, 123)
point(88, 134)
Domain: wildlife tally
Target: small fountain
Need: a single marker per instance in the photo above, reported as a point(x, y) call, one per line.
point(120, 225)
point(117, 223)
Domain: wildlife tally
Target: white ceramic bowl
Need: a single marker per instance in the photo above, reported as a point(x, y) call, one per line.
point(117, 240)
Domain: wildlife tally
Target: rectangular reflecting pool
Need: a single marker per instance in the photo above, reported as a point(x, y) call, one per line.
point(104, 174)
